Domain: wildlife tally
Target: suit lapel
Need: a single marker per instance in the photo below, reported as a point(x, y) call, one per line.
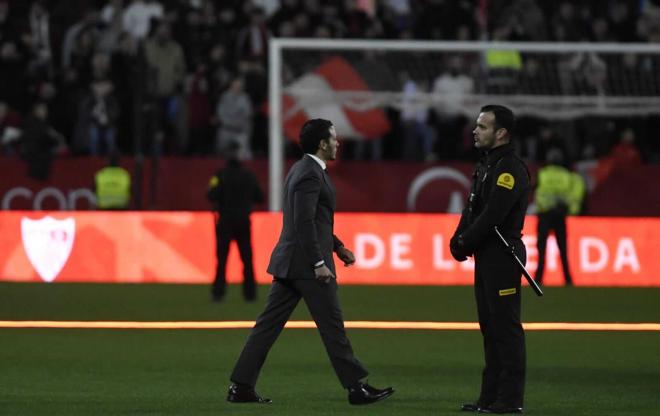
point(329, 186)
point(331, 189)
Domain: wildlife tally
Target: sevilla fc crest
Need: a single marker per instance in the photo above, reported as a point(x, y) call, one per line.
point(48, 243)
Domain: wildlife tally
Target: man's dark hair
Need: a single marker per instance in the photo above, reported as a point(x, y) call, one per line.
point(504, 118)
point(312, 132)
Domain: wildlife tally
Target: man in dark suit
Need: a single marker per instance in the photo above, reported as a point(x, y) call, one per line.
point(303, 267)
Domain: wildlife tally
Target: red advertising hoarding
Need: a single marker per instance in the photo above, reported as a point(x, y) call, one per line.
point(180, 184)
point(390, 249)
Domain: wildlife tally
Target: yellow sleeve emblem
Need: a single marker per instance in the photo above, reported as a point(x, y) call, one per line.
point(506, 180)
point(507, 292)
point(214, 182)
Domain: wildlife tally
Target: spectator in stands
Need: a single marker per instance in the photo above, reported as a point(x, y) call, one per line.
point(449, 90)
point(10, 132)
point(98, 115)
point(419, 136)
point(124, 74)
point(38, 39)
point(355, 19)
point(219, 71)
point(40, 143)
point(199, 110)
point(13, 77)
point(625, 153)
point(166, 61)
point(71, 41)
point(548, 141)
point(252, 40)
point(234, 114)
point(139, 15)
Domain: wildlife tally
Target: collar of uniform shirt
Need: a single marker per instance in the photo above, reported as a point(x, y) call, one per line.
point(499, 151)
point(319, 161)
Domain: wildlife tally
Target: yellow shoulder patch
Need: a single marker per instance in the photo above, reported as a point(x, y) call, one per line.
point(214, 182)
point(506, 180)
point(506, 292)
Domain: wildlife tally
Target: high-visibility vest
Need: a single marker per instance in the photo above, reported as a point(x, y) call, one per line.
point(113, 188)
point(503, 59)
point(578, 190)
point(558, 185)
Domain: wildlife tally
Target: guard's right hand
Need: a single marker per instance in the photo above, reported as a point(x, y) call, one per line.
point(323, 274)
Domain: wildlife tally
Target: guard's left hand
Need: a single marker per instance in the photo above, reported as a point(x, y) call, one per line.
point(457, 248)
point(346, 256)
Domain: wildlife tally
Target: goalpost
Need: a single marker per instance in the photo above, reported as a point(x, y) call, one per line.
point(551, 81)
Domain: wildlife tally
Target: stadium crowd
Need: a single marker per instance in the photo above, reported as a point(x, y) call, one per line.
point(185, 77)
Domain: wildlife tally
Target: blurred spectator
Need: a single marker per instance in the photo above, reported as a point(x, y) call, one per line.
point(166, 62)
point(72, 37)
point(355, 19)
point(38, 40)
point(589, 73)
point(123, 73)
point(13, 78)
point(47, 50)
point(199, 111)
point(234, 114)
point(252, 40)
point(450, 89)
point(419, 136)
point(139, 15)
point(567, 25)
point(10, 132)
point(528, 20)
point(97, 119)
point(548, 143)
point(284, 14)
point(40, 143)
point(624, 153)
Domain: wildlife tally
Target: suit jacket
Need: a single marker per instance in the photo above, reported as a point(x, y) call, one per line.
point(308, 218)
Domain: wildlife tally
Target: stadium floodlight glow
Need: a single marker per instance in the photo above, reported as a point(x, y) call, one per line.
point(551, 81)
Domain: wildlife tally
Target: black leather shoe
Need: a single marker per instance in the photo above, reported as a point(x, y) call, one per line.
point(470, 407)
point(363, 393)
point(500, 409)
point(245, 394)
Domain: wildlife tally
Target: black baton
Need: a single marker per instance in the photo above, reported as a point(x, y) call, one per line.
point(531, 281)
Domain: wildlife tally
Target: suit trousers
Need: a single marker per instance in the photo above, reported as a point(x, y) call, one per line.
point(498, 306)
point(323, 304)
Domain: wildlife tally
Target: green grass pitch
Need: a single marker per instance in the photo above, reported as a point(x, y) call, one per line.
point(185, 372)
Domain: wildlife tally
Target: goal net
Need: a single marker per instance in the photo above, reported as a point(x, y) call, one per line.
point(354, 82)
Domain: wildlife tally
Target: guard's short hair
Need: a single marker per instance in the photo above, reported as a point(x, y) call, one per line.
point(312, 132)
point(504, 118)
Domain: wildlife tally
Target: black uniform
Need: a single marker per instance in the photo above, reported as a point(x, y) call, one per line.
point(499, 198)
point(234, 190)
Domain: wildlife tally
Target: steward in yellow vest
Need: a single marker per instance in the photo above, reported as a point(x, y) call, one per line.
point(113, 186)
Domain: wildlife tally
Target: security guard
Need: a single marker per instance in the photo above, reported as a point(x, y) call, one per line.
point(559, 193)
point(499, 198)
point(234, 190)
point(113, 186)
